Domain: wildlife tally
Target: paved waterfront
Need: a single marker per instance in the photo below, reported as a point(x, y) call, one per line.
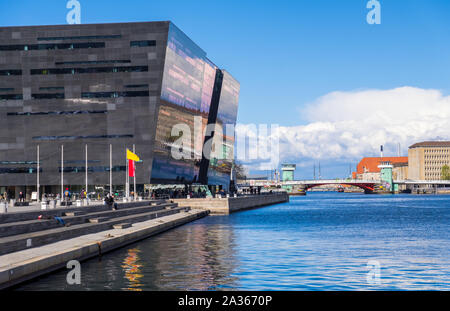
point(319, 242)
point(34, 206)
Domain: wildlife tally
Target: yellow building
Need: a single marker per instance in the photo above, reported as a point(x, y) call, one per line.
point(426, 159)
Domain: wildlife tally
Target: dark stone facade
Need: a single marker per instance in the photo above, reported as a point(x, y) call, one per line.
point(96, 85)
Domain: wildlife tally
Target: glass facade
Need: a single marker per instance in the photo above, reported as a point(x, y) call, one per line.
point(221, 161)
point(186, 93)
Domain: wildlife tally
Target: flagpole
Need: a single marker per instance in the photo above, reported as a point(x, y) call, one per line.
point(62, 172)
point(127, 187)
point(110, 169)
point(38, 167)
point(134, 172)
point(87, 192)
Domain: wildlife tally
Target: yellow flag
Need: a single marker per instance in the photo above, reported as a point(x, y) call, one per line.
point(132, 156)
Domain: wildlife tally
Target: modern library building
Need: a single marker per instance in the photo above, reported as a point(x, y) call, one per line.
point(74, 98)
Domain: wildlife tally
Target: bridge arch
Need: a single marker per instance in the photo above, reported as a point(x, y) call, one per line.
point(364, 186)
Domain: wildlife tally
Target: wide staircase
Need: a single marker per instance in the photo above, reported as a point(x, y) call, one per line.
point(24, 230)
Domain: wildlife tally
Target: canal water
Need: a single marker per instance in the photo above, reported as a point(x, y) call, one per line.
point(324, 241)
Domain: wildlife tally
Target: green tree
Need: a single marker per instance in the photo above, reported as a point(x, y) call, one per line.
point(445, 172)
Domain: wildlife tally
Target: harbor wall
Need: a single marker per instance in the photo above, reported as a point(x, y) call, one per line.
point(223, 206)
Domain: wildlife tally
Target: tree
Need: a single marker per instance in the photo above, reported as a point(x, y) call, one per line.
point(240, 171)
point(445, 172)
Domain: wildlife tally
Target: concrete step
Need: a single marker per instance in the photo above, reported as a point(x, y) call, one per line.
point(35, 225)
point(98, 220)
point(60, 211)
point(24, 241)
point(122, 226)
point(72, 214)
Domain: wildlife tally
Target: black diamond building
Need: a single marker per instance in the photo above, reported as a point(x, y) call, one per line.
point(105, 86)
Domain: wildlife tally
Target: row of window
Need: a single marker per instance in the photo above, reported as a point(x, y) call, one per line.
point(437, 151)
point(11, 97)
point(79, 38)
point(93, 169)
point(95, 62)
point(57, 113)
point(19, 170)
point(51, 88)
point(6, 89)
point(17, 162)
point(145, 43)
point(10, 72)
point(69, 46)
point(136, 85)
point(52, 46)
point(48, 96)
point(83, 95)
point(50, 138)
point(63, 71)
point(115, 94)
point(81, 169)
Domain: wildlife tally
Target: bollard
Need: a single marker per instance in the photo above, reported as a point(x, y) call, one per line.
point(78, 203)
point(44, 205)
point(3, 208)
point(85, 202)
point(52, 204)
point(140, 198)
point(188, 197)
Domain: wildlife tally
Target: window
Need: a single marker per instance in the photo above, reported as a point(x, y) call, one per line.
point(143, 43)
point(79, 38)
point(93, 169)
point(52, 46)
point(136, 85)
point(115, 94)
point(19, 170)
point(96, 62)
point(17, 162)
point(61, 71)
point(11, 97)
point(49, 138)
point(56, 113)
point(6, 89)
point(48, 96)
point(10, 72)
point(51, 88)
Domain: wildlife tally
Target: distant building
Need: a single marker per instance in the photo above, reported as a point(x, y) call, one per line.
point(288, 171)
point(368, 168)
point(400, 171)
point(426, 159)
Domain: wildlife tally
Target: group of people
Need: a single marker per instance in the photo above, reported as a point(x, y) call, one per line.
point(174, 194)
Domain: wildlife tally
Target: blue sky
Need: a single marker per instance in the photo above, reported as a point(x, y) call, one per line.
point(287, 54)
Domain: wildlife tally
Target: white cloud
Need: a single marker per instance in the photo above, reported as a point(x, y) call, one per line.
point(346, 126)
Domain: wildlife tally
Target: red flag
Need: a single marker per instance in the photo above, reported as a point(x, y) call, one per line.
point(131, 168)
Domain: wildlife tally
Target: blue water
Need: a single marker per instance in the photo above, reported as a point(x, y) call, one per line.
point(323, 241)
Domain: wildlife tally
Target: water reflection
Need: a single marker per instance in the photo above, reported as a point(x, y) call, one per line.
point(131, 267)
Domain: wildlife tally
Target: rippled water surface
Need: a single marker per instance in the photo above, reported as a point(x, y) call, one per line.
point(323, 241)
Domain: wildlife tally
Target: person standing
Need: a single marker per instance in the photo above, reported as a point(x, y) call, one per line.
point(21, 197)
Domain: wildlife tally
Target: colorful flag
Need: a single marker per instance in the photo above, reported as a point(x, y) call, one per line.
point(131, 168)
point(132, 156)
